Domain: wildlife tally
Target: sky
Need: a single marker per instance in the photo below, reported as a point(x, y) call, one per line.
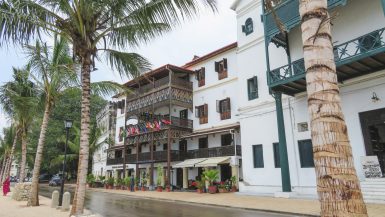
point(206, 33)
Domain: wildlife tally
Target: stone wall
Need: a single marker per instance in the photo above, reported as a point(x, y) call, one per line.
point(21, 191)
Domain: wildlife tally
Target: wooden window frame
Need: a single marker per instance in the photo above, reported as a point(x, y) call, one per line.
point(200, 76)
point(255, 161)
point(222, 69)
point(224, 108)
point(252, 94)
point(201, 112)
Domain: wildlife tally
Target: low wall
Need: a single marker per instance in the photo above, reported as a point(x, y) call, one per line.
point(22, 191)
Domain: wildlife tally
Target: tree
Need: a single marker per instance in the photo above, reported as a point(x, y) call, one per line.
point(20, 102)
point(93, 27)
point(6, 145)
point(53, 71)
point(337, 183)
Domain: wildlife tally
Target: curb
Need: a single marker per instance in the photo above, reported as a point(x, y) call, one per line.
point(208, 204)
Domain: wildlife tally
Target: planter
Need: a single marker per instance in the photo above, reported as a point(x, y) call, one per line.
point(234, 188)
point(168, 189)
point(223, 190)
point(143, 188)
point(109, 187)
point(106, 186)
point(212, 189)
point(199, 191)
point(159, 189)
point(136, 188)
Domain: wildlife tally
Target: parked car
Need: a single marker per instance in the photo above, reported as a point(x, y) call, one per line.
point(13, 179)
point(44, 178)
point(55, 181)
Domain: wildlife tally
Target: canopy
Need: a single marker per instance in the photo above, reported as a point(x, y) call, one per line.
point(189, 163)
point(213, 162)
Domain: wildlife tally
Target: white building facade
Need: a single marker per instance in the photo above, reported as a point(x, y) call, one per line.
point(276, 60)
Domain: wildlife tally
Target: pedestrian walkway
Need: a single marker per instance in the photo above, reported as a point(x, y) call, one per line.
point(305, 207)
point(12, 208)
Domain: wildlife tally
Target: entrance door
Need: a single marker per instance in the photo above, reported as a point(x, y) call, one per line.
point(225, 172)
point(373, 130)
point(179, 177)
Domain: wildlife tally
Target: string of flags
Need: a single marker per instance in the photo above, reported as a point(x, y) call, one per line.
point(146, 126)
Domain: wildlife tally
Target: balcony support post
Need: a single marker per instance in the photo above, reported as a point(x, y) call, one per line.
point(152, 161)
point(137, 160)
point(168, 158)
point(285, 173)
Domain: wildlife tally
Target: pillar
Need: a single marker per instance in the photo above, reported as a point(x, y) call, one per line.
point(185, 178)
point(116, 174)
point(168, 183)
point(235, 172)
point(126, 173)
point(285, 173)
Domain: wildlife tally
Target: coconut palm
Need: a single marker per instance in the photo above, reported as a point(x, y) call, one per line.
point(8, 144)
point(94, 28)
point(53, 71)
point(337, 183)
point(20, 102)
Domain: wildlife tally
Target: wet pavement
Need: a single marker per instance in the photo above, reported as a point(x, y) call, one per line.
point(115, 205)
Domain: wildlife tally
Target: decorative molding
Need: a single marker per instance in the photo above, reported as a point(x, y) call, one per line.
point(220, 83)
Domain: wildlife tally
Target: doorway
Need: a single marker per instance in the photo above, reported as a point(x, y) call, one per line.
point(373, 130)
point(225, 172)
point(179, 177)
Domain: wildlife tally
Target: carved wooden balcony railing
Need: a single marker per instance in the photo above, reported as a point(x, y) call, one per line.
point(158, 156)
point(213, 152)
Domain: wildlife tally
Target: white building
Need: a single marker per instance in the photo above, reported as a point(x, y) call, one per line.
point(358, 33)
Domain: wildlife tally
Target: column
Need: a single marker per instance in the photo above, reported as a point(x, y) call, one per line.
point(235, 172)
point(285, 173)
point(185, 178)
point(116, 175)
point(152, 161)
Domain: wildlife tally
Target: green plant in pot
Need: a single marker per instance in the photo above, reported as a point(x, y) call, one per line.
point(118, 183)
point(144, 181)
point(159, 172)
point(200, 185)
point(127, 182)
point(137, 181)
point(110, 182)
point(90, 180)
point(211, 175)
point(233, 180)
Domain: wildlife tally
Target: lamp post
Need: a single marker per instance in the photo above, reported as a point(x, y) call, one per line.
point(67, 125)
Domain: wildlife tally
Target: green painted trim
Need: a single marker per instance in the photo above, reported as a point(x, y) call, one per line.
point(383, 5)
point(285, 172)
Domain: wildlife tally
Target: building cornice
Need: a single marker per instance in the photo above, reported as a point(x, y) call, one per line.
point(224, 82)
point(251, 44)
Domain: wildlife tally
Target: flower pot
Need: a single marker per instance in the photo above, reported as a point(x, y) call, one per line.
point(159, 189)
point(168, 189)
point(136, 188)
point(106, 186)
point(199, 191)
point(234, 188)
point(212, 189)
point(109, 186)
point(143, 188)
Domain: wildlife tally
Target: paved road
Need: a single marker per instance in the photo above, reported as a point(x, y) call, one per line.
point(115, 205)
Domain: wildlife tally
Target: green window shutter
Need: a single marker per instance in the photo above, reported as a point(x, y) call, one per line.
point(277, 159)
point(306, 153)
point(252, 88)
point(258, 156)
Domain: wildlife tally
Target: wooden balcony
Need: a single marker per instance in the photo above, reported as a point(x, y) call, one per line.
point(288, 13)
point(159, 156)
point(357, 57)
point(214, 152)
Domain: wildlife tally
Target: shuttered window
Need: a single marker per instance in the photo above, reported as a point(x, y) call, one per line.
point(252, 88)
point(258, 156)
point(224, 108)
point(306, 153)
point(201, 112)
point(277, 159)
point(221, 69)
point(201, 76)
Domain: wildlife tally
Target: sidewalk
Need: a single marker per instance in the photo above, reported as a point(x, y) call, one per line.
point(269, 204)
point(12, 208)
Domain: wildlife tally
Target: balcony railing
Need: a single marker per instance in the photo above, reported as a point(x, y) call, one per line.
point(163, 82)
point(159, 156)
point(353, 50)
point(213, 152)
point(288, 13)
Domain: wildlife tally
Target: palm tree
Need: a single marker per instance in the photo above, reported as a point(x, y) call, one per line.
point(53, 71)
point(19, 100)
point(8, 144)
point(337, 183)
point(94, 28)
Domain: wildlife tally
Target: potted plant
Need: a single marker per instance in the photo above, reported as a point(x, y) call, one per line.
point(90, 180)
point(110, 182)
point(200, 184)
point(137, 180)
point(127, 182)
point(118, 183)
point(233, 180)
point(144, 181)
point(211, 175)
point(101, 180)
point(159, 171)
point(222, 188)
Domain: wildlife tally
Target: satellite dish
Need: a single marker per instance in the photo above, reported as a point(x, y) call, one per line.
point(133, 120)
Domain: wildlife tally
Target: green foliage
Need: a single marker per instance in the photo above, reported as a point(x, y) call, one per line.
point(211, 175)
point(110, 181)
point(233, 180)
point(91, 178)
point(159, 178)
point(127, 181)
point(118, 182)
point(101, 178)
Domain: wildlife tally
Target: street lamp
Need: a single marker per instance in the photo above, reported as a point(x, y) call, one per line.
point(67, 126)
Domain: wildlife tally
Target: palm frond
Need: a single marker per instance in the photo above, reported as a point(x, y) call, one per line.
point(107, 88)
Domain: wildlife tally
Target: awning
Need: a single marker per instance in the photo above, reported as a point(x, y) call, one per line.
point(212, 130)
point(189, 163)
point(213, 162)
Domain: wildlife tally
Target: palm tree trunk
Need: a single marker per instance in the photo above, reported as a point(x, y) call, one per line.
point(78, 203)
point(9, 161)
point(3, 167)
point(23, 156)
point(34, 197)
point(337, 183)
